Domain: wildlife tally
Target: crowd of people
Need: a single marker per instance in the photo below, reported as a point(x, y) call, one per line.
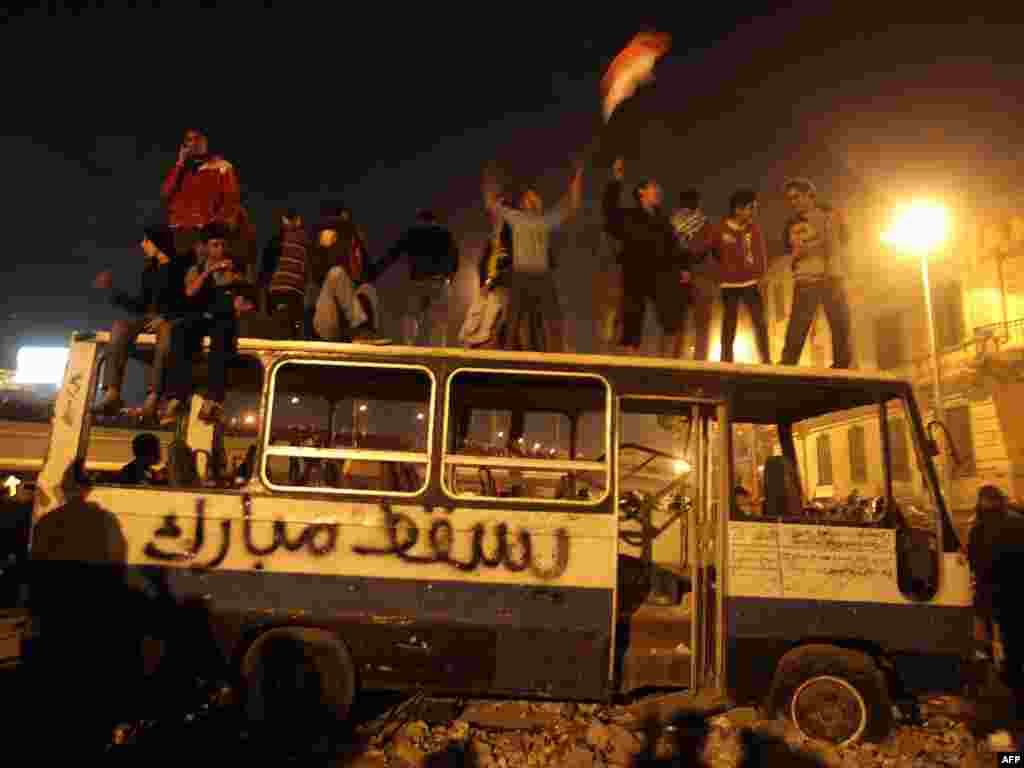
point(202, 273)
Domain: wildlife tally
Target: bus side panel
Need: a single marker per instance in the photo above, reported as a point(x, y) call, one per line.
point(793, 584)
point(534, 621)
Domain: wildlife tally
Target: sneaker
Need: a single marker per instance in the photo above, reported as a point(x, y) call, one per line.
point(212, 412)
point(172, 409)
point(110, 405)
point(149, 406)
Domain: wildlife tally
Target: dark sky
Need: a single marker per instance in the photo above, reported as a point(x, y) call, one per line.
point(403, 110)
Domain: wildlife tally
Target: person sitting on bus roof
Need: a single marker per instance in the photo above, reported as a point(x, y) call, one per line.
point(147, 451)
point(218, 297)
point(160, 300)
point(346, 306)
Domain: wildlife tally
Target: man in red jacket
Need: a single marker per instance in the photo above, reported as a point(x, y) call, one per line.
point(200, 189)
point(743, 261)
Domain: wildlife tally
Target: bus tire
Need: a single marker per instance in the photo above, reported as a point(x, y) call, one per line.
point(298, 675)
point(832, 694)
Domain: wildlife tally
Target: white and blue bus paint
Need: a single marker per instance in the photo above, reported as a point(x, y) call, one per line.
point(400, 556)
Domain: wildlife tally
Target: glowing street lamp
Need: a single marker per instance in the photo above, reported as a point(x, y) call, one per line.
point(920, 229)
point(419, 417)
point(295, 401)
point(250, 418)
point(681, 466)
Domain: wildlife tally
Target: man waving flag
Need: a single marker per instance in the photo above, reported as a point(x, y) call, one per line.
point(633, 67)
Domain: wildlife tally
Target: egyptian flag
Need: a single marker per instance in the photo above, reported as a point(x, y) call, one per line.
point(633, 67)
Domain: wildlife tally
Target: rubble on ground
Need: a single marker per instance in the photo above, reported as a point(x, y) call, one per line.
point(523, 734)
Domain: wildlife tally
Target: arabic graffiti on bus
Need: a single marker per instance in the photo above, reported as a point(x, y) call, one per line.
point(516, 554)
point(440, 539)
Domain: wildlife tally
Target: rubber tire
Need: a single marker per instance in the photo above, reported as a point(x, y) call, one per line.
point(325, 655)
point(856, 668)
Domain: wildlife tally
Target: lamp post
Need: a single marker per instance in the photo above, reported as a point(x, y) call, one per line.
point(921, 229)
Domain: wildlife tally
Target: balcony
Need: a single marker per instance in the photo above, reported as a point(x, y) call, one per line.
point(998, 344)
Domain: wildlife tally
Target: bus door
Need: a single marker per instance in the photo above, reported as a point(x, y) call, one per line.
point(669, 544)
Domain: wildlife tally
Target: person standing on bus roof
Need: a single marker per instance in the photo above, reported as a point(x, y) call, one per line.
point(433, 255)
point(200, 189)
point(284, 269)
point(743, 261)
point(535, 321)
point(655, 268)
point(693, 228)
point(816, 238)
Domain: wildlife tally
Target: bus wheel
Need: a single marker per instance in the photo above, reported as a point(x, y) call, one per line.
point(832, 694)
point(298, 675)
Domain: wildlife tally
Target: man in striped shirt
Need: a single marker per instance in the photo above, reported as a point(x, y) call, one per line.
point(692, 227)
point(285, 260)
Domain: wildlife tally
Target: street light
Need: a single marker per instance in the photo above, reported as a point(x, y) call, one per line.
point(921, 228)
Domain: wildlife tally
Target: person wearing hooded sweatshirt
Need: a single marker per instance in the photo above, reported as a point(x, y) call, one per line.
point(743, 261)
point(433, 257)
point(159, 302)
point(341, 276)
point(655, 267)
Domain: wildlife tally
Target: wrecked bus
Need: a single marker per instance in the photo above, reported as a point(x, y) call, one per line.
point(538, 525)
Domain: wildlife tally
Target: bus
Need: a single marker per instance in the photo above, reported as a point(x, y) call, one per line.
point(554, 526)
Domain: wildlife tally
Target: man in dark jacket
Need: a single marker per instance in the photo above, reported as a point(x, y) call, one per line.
point(654, 266)
point(160, 300)
point(433, 260)
point(995, 549)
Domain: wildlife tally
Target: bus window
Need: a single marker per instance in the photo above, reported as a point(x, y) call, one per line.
point(111, 434)
point(351, 427)
point(527, 436)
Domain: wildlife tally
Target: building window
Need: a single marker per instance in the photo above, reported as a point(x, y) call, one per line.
point(858, 458)
point(824, 460)
point(890, 338)
point(949, 313)
point(900, 454)
point(958, 421)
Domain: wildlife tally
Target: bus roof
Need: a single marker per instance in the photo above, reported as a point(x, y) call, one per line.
point(386, 352)
point(821, 390)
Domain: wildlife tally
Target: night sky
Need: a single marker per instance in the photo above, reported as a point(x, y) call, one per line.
point(401, 111)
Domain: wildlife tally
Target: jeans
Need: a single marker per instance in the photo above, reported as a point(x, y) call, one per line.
point(535, 321)
point(289, 306)
point(426, 318)
point(705, 292)
point(344, 311)
point(186, 341)
point(807, 295)
point(751, 296)
point(664, 291)
point(122, 343)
